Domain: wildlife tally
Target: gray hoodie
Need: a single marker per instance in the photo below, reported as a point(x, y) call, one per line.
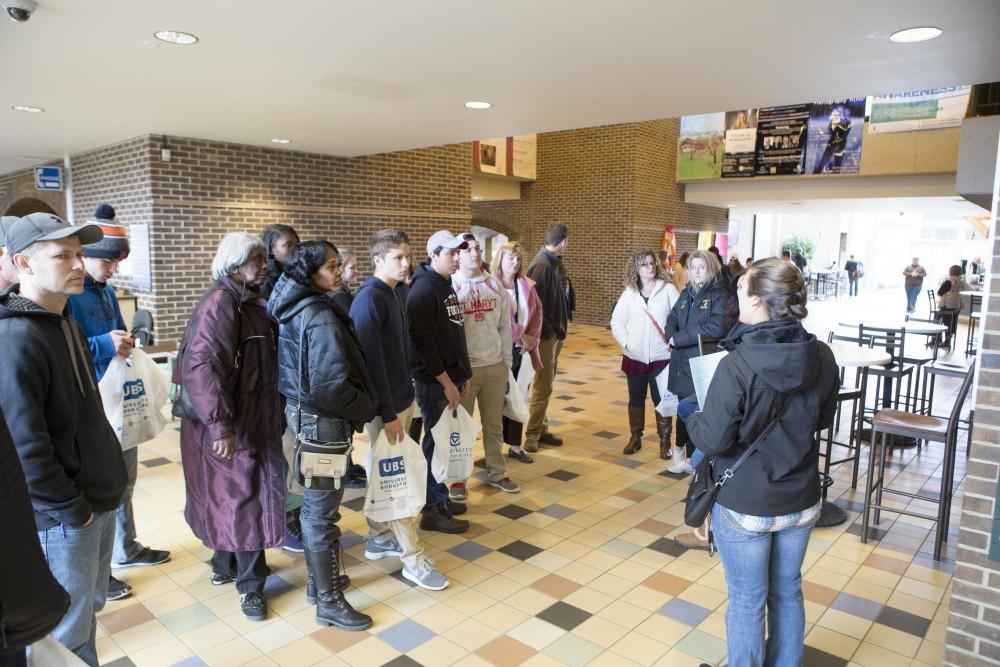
point(487, 319)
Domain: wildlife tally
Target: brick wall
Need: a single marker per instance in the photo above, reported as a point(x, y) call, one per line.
point(973, 636)
point(19, 186)
point(209, 189)
point(614, 187)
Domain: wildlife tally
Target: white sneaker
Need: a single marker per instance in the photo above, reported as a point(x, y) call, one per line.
point(681, 468)
point(426, 576)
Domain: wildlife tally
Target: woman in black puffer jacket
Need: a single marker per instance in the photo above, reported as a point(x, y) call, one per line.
point(775, 372)
point(322, 375)
point(705, 308)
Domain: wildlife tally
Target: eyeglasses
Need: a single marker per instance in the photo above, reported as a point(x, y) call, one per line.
point(648, 265)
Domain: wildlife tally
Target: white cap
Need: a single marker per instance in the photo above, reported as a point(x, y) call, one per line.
point(444, 239)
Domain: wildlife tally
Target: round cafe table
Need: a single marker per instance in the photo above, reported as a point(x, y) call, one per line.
point(852, 356)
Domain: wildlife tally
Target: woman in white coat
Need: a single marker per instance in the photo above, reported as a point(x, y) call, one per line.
point(637, 324)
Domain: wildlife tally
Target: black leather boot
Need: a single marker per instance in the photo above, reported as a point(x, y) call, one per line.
point(343, 581)
point(664, 429)
point(332, 608)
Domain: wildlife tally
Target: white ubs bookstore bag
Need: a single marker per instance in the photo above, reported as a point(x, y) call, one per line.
point(397, 479)
point(514, 405)
point(454, 439)
point(133, 393)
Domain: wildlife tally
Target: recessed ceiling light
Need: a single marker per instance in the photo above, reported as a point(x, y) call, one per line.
point(27, 109)
point(281, 141)
point(174, 37)
point(911, 35)
point(477, 105)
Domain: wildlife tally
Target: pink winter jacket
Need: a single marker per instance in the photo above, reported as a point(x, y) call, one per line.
point(533, 327)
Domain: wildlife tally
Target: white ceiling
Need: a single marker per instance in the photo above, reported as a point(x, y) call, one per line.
point(353, 78)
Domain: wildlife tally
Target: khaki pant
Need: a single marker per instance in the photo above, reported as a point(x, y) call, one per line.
point(541, 391)
point(487, 386)
point(404, 530)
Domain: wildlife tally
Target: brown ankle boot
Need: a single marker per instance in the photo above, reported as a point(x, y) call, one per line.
point(664, 428)
point(636, 422)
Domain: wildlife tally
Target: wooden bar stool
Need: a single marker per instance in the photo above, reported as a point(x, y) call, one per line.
point(922, 427)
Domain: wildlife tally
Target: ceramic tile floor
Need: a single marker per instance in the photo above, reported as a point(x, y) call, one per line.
point(576, 569)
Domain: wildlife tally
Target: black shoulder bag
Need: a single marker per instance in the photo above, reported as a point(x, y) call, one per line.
point(704, 488)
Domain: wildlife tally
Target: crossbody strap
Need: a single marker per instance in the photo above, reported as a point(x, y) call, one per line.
point(756, 443)
point(656, 324)
point(302, 374)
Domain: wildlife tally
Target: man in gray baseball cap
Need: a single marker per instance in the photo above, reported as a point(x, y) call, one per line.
point(70, 456)
point(8, 276)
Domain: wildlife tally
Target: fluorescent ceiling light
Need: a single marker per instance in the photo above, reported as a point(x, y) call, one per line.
point(281, 141)
point(27, 109)
point(174, 37)
point(911, 35)
point(477, 105)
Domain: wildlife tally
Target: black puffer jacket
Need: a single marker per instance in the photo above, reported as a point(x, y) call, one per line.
point(707, 312)
point(31, 600)
point(336, 382)
point(768, 361)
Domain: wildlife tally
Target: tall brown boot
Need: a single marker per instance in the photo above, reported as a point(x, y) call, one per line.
point(664, 429)
point(636, 422)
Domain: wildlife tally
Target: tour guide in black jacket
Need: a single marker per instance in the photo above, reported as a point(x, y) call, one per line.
point(439, 362)
point(766, 362)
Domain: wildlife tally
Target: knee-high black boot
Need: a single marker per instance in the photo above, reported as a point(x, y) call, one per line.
point(332, 608)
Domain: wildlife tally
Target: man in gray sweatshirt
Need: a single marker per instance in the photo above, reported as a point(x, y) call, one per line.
point(488, 337)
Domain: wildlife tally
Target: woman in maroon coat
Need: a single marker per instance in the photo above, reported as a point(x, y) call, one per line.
point(232, 453)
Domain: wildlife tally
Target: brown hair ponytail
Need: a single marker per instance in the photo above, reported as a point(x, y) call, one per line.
point(780, 286)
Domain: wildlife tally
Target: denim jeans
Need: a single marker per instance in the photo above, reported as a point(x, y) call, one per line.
point(126, 546)
point(685, 408)
point(80, 560)
point(320, 507)
point(762, 569)
point(250, 568)
point(912, 292)
point(852, 286)
point(432, 402)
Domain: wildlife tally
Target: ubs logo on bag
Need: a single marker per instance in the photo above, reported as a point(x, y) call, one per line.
point(133, 389)
point(456, 439)
point(392, 467)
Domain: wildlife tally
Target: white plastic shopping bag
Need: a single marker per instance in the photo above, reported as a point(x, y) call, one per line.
point(514, 405)
point(397, 479)
point(525, 375)
point(134, 392)
point(454, 439)
point(668, 400)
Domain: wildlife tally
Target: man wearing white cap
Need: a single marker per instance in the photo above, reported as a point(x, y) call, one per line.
point(70, 455)
point(439, 362)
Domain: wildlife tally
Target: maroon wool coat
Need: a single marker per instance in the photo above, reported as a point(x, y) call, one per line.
point(239, 504)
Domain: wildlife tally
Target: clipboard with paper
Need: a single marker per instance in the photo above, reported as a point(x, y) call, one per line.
point(702, 370)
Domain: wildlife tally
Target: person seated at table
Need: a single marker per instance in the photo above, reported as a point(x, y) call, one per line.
point(950, 301)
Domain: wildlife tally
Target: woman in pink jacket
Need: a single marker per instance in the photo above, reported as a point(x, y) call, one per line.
point(526, 328)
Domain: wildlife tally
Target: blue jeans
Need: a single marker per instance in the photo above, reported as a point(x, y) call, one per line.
point(912, 292)
point(762, 569)
point(852, 287)
point(80, 560)
point(126, 546)
point(432, 402)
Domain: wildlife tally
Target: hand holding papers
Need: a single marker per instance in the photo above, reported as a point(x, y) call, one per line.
point(702, 370)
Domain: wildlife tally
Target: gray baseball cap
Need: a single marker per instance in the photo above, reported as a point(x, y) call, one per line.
point(6, 222)
point(47, 227)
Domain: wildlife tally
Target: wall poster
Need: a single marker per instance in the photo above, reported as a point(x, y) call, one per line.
point(919, 110)
point(834, 137)
point(489, 156)
point(781, 139)
point(700, 147)
point(741, 143)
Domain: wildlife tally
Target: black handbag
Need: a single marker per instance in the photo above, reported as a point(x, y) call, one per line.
point(181, 406)
point(704, 488)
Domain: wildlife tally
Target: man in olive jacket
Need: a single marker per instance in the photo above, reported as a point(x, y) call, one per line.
point(552, 285)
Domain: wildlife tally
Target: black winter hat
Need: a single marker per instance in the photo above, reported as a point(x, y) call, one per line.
point(114, 245)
